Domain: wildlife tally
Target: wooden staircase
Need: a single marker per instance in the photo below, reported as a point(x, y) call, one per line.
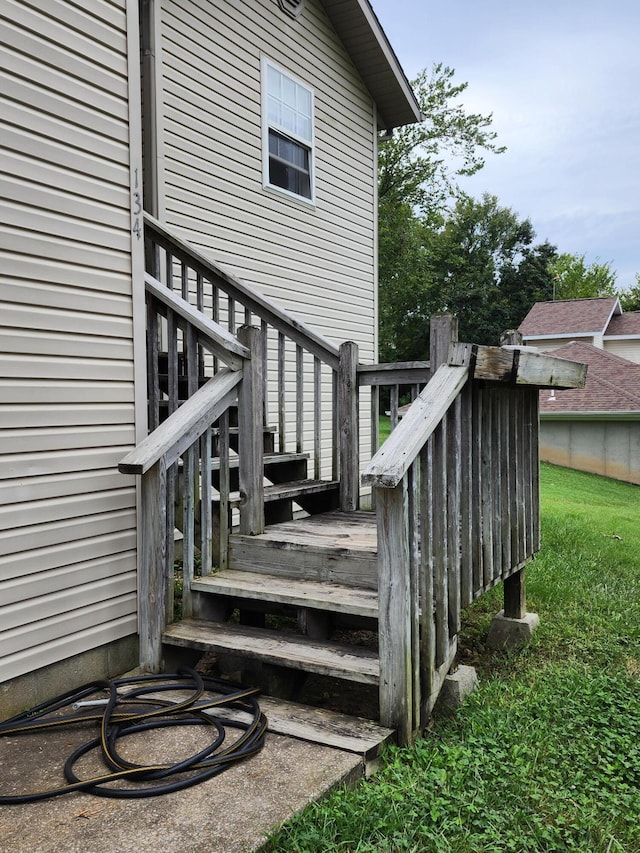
point(322, 569)
point(291, 570)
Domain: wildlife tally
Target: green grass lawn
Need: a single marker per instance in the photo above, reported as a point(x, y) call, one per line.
point(545, 756)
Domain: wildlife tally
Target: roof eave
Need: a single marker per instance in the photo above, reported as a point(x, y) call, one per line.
point(371, 53)
point(594, 415)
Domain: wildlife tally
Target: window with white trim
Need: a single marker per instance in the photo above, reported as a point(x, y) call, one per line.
point(287, 133)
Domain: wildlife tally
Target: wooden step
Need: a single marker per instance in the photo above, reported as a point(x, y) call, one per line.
point(269, 459)
point(351, 663)
point(319, 725)
point(288, 491)
point(293, 591)
point(331, 547)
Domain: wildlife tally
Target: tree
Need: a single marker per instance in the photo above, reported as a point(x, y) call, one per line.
point(417, 177)
point(486, 270)
point(575, 279)
point(630, 299)
point(420, 164)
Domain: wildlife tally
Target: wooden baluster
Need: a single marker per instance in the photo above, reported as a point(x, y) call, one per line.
point(427, 623)
point(250, 435)
point(317, 418)
point(440, 541)
point(468, 528)
point(395, 640)
point(299, 399)
point(225, 487)
point(206, 520)
point(282, 397)
point(394, 405)
point(265, 371)
point(348, 427)
point(453, 498)
point(153, 599)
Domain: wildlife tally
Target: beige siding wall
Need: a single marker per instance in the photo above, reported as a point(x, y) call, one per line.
point(317, 261)
point(610, 448)
point(67, 518)
point(624, 349)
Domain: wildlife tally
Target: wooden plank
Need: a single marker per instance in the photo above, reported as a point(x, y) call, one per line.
point(520, 366)
point(317, 418)
point(250, 436)
point(353, 734)
point(185, 425)
point(206, 520)
point(353, 663)
point(400, 373)
point(299, 399)
point(427, 624)
point(507, 462)
point(151, 603)
point(443, 331)
point(348, 427)
point(413, 519)
point(477, 401)
point(466, 497)
point(224, 519)
point(284, 491)
point(394, 620)
point(453, 498)
point(486, 464)
point(331, 547)
point(316, 725)
point(440, 543)
point(282, 398)
point(391, 462)
point(534, 403)
point(211, 335)
point(298, 592)
point(246, 295)
point(496, 478)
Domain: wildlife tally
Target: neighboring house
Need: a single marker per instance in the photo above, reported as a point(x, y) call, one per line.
point(596, 428)
point(599, 322)
point(256, 136)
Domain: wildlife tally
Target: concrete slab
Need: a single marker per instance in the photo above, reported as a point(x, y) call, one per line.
point(232, 813)
point(457, 687)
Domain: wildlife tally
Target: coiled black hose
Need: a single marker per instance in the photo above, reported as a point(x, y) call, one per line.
point(134, 705)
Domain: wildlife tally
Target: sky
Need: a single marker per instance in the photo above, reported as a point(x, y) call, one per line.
point(562, 80)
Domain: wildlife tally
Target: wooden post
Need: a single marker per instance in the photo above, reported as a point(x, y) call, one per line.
point(250, 435)
point(152, 613)
point(443, 332)
point(394, 626)
point(348, 436)
point(515, 597)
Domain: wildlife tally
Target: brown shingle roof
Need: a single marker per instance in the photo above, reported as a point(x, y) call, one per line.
point(569, 317)
point(624, 324)
point(613, 383)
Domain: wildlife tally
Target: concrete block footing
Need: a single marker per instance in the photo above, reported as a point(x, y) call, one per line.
point(457, 686)
point(506, 633)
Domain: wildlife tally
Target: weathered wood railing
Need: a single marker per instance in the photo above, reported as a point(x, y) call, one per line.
point(186, 436)
point(456, 494)
point(309, 386)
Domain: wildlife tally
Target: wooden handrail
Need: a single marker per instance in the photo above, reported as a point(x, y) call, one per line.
point(396, 373)
point(400, 450)
point(185, 425)
point(211, 334)
point(243, 293)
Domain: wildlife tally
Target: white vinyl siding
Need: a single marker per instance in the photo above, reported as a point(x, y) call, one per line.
point(629, 348)
point(317, 261)
point(67, 517)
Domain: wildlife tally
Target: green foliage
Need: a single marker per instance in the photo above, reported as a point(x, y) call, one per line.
point(573, 278)
point(545, 756)
point(630, 299)
point(418, 167)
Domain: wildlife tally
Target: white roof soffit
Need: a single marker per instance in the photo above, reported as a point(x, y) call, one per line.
point(370, 51)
